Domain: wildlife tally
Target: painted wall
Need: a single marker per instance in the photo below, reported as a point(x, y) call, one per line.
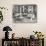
point(23, 29)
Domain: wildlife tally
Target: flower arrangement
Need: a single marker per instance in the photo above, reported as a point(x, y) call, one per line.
point(39, 34)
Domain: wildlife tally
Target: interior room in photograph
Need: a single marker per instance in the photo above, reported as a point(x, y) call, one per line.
point(25, 13)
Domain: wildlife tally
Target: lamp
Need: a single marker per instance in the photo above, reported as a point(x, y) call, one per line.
point(7, 28)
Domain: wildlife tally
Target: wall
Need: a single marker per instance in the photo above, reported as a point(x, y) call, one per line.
point(23, 29)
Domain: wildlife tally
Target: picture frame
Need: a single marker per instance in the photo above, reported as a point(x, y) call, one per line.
point(25, 13)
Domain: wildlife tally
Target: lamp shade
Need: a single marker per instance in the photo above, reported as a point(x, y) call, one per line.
point(7, 28)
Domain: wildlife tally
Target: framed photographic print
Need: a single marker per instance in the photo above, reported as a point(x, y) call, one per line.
point(25, 13)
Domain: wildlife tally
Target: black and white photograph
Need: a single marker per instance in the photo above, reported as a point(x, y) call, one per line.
point(24, 13)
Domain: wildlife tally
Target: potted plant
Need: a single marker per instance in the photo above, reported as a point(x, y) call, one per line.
point(1, 15)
